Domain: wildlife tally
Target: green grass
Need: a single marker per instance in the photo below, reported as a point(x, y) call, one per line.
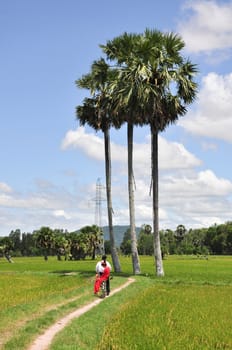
point(172, 317)
point(187, 309)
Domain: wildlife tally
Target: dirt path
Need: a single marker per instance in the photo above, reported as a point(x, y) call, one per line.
point(43, 341)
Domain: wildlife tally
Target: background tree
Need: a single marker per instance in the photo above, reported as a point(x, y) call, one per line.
point(61, 244)
point(180, 233)
point(195, 242)
point(125, 246)
point(168, 242)
point(107, 247)
point(210, 236)
point(45, 240)
point(28, 244)
point(94, 239)
point(145, 240)
point(219, 241)
point(6, 248)
point(78, 245)
point(229, 238)
point(15, 237)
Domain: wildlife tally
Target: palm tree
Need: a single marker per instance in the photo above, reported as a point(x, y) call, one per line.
point(6, 246)
point(160, 83)
point(95, 112)
point(172, 89)
point(61, 244)
point(124, 102)
point(45, 240)
point(94, 237)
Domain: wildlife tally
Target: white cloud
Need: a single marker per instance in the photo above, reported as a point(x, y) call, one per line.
point(5, 188)
point(202, 184)
point(46, 206)
point(91, 144)
point(172, 155)
point(61, 213)
point(186, 196)
point(192, 198)
point(189, 198)
point(209, 146)
point(206, 26)
point(212, 116)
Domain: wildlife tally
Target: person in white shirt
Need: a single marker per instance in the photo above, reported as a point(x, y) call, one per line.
point(99, 270)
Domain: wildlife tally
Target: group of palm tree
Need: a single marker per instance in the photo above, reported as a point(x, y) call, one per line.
point(143, 80)
point(72, 245)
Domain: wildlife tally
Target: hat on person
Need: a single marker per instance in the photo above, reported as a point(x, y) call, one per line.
point(104, 257)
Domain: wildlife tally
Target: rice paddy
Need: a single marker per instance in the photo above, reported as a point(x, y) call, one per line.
point(190, 308)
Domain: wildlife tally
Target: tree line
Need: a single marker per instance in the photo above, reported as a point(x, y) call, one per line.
point(89, 241)
point(216, 239)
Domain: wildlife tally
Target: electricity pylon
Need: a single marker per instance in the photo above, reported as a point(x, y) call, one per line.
point(98, 208)
point(98, 203)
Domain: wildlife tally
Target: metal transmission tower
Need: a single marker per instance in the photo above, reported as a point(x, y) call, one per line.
point(98, 208)
point(98, 201)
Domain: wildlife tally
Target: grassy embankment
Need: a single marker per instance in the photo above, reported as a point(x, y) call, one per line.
point(190, 308)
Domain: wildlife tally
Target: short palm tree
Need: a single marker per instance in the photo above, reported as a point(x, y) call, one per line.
point(95, 112)
point(45, 240)
point(94, 238)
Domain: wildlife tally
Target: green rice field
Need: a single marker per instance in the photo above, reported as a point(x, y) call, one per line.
point(189, 308)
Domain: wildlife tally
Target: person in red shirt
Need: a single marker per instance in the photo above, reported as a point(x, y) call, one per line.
point(103, 275)
point(98, 270)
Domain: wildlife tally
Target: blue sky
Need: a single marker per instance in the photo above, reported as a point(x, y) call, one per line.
point(50, 166)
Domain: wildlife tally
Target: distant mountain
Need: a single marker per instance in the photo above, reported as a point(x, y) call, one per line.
point(119, 232)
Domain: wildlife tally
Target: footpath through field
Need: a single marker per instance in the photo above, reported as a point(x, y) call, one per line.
point(44, 340)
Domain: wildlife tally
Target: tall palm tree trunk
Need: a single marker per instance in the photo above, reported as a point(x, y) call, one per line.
point(155, 201)
point(134, 250)
point(114, 254)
